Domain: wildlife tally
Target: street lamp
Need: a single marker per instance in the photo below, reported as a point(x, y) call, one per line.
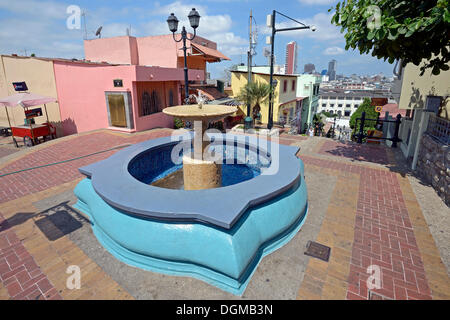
point(271, 23)
point(194, 20)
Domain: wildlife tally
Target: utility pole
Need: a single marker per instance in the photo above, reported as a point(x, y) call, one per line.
point(272, 43)
point(249, 60)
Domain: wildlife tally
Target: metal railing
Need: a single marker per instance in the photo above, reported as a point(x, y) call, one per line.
point(439, 128)
point(361, 135)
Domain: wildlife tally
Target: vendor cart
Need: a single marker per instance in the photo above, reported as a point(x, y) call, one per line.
point(30, 132)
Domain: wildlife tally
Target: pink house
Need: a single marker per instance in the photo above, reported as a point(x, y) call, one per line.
point(126, 82)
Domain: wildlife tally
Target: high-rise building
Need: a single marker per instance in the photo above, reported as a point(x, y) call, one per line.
point(332, 69)
point(291, 57)
point(309, 68)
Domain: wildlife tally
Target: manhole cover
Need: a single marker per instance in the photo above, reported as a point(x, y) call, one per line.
point(318, 251)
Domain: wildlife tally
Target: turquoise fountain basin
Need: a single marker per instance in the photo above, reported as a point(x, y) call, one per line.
point(216, 235)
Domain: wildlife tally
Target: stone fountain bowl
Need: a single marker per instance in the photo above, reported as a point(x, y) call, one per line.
point(217, 235)
point(195, 112)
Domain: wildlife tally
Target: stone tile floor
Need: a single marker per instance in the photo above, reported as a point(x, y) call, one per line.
point(362, 203)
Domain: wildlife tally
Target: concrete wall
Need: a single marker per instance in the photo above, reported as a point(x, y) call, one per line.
point(40, 79)
point(416, 88)
point(81, 91)
point(82, 87)
point(119, 50)
point(160, 51)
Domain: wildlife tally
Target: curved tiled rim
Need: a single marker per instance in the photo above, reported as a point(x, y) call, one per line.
point(114, 184)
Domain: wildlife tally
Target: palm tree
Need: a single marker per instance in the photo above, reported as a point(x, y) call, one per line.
point(255, 93)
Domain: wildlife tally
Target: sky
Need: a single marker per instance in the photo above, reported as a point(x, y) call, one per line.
point(35, 26)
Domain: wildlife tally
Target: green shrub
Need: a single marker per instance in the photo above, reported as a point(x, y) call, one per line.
point(178, 123)
point(366, 107)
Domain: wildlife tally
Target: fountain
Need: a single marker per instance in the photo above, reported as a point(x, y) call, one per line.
point(200, 173)
point(216, 228)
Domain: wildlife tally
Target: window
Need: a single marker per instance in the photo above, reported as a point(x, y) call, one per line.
point(171, 101)
point(293, 85)
point(341, 98)
point(347, 113)
point(356, 106)
point(150, 103)
point(324, 105)
point(316, 90)
point(348, 105)
point(332, 105)
point(285, 84)
point(340, 105)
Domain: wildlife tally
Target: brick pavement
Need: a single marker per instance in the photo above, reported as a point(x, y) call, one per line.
point(373, 218)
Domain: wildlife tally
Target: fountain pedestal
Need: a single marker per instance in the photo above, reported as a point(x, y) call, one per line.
point(200, 173)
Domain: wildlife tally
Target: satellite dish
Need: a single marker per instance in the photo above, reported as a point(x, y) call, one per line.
point(99, 32)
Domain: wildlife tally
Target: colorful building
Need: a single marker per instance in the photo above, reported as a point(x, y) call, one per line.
point(123, 84)
point(308, 86)
point(40, 78)
point(286, 102)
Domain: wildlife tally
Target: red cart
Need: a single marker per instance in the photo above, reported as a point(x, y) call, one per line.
point(32, 133)
point(29, 132)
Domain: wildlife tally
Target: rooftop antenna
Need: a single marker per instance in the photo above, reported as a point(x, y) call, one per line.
point(99, 32)
point(266, 53)
point(83, 15)
point(128, 32)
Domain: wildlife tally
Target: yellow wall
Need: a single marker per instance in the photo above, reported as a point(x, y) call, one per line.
point(416, 88)
point(40, 79)
point(239, 80)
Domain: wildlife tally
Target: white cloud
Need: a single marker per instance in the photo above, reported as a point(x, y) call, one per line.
point(325, 31)
point(180, 9)
point(40, 26)
point(216, 28)
point(45, 9)
point(333, 51)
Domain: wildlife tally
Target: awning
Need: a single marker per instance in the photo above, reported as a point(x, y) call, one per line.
point(210, 53)
point(25, 100)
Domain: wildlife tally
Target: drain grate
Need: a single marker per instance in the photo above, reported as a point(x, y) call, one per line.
point(318, 251)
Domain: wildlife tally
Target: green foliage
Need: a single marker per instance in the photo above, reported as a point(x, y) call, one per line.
point(178, 123)
point(317, 119)
point(328, 114)
point(408, 30)
point(367, 107)
point(255, 93)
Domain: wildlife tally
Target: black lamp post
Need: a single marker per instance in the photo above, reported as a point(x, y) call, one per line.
point(194, 20)
point(272, 42)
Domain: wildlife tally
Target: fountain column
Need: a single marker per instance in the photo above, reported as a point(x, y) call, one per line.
point(199, 173)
